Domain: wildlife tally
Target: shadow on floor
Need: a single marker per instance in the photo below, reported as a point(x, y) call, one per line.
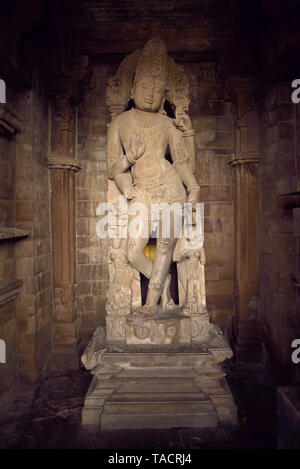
point(51, 417)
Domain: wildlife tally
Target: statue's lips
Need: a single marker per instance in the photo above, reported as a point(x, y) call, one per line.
point(148, 101)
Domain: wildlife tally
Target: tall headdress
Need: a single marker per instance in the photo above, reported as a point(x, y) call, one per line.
point(153, 62)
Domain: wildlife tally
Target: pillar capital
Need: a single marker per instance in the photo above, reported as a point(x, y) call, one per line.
point(69, 76)
point(62, 162)
point(240, 161)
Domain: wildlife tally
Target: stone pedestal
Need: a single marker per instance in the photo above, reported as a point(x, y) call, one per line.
point(158, 386)
point(170, 327)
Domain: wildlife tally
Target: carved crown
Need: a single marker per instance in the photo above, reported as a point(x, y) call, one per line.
point(151, 61)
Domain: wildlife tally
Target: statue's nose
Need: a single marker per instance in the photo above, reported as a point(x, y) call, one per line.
point(149, 94)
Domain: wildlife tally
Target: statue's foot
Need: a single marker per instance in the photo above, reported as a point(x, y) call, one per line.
point(166, 299)
point(141, 314)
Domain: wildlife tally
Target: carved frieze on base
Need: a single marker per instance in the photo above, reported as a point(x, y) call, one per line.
point(165, 328)
point(159, 331)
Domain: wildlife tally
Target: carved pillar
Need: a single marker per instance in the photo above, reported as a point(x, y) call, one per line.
point(64, 95)
point(63, 226)
point(245, 165)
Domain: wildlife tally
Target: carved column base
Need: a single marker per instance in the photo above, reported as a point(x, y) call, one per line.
point(65, 328)
point(65, 354)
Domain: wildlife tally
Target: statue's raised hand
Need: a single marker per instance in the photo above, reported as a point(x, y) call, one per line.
point(137, 147)
point(183, 122)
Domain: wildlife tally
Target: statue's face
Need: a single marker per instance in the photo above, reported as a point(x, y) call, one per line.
point(148, 94)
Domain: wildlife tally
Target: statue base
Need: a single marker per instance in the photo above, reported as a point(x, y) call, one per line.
point(158, 386)
point(173, 326)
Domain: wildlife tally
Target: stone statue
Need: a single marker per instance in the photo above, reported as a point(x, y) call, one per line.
point(159, 349)
point(137, 143)
point(192, 280)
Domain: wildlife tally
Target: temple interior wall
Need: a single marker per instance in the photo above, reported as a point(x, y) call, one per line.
point(25, 322)
point(8, 322)
point(279, 246)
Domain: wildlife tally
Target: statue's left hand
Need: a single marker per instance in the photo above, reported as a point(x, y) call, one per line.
point(183, 122)
point(130, 192)
point(194, 197)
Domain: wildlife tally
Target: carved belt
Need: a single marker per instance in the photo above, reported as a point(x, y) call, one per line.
point(155, 182)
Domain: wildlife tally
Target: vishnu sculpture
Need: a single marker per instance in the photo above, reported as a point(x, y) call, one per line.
point(137, 144)
point(151, 356)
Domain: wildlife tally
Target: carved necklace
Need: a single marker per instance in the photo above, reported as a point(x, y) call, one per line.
point(143, 124)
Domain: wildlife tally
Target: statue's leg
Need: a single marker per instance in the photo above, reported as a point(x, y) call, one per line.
point(160, 269)
point(162, 261)
point(166, 298)
point(137, 257)
point(136, 246)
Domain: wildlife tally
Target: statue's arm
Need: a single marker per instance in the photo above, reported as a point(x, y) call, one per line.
point(124, 183)
point(189, 142)
point(181, 163)
point(183, 123)
point(118, 164)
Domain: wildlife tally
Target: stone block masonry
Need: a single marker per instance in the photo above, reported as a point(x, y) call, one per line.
point(25, 318)
point(279, 248)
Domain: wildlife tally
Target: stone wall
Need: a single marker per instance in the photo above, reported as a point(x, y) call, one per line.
point(8, 370)
point(279, 253)
point(25, 322)
point(213, 123)
point(33, 255)
point(92, 272)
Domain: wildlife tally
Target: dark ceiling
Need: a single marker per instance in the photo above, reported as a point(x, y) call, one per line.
point(245, 36)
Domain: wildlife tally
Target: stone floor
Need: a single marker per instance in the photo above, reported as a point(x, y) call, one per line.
point(51, 417)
